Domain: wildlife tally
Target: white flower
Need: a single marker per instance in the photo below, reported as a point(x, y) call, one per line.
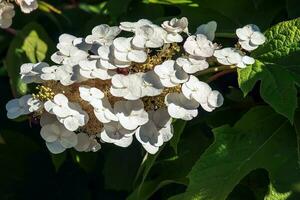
point(199, 46)
point(68, 54)
point(81, 44)
point(132, 26)
point(250, 37)
point(34, 105)
point(58, 106)
point(125, 52)
point(103, 34)
point(174, 27)
point(179, 107)
point(208, 30)
point(27, 6)
point(131, 114)
point(214, 100)
point(156, 131)
point(47, 118)
point(18, 107)
point(68, 74)
point(87, 143)
point(114, 133)
point(90, 94)
point(30, 73)
point(107, 59)
point(227, 56)
point(230, 56)
point(201, 92)
point(195, 89)
point(49, 73)
point(170, 74)
point(191, 65)
point(7, 12)
point(69, 114)
point(151, 84)
point(246, 60)
point(92, 69)
point(149, 36)
point(103, 111)
point(128, 87)
point(57, 138)
point(76, 117)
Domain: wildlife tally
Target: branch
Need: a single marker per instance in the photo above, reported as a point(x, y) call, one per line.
point(226, 35)
point(215, 69)
point(220, 74)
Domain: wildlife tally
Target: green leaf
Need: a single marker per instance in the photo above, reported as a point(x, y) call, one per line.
point(277, 67)
point(58, 159)
point(190, 146)
point(86, 160)
point(277, 86)
point(31, 44)
point(120, 167)
point(179, 126)
point(297, 130)
point(34, 48)
point(275, 195)
point(282, 45)
point(229, 14)
point(261, 139)
point(116, 9)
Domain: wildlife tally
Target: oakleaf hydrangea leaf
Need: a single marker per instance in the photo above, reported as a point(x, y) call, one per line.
point(277, 67)
point(254, 142)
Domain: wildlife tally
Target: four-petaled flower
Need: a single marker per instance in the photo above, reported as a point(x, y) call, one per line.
point(250, 37)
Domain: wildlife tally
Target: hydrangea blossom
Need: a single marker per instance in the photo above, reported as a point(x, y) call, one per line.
point(170, 74)
point(31, 73)
point(250, 37)
point(104, 88)
point(199, 46)
point(87, 143)
point(18, 107)
point(208, 30)
point(174, 27)
point(58, 138)
point(7, 11)
point(231, 56)
point(156, 131)
point(103, 34)
point(27, 6)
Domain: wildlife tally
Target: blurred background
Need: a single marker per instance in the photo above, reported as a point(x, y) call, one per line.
point(29, 171)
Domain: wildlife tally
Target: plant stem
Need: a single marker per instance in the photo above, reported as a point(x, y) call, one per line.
point(226, 35)
point(220, 74)
point(215, 69)
point(11, 31)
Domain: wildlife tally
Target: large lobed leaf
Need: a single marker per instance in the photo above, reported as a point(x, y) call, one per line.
point(277, 66)
point(31, 44)
point(261, 139)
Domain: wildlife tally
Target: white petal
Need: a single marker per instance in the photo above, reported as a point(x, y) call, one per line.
point(137, 56)
point(71, 124)
point(83, 142)
point(55, 147)
point(69, 141)
point(215, 99)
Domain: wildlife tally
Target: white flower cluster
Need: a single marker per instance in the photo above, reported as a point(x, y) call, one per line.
point(106, 88)
point(7, 11)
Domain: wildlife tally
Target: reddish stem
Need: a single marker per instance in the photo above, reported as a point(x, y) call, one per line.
point(220, 74)
point(11, 31)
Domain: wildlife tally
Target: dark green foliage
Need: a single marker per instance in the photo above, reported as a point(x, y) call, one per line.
point(247, 149)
